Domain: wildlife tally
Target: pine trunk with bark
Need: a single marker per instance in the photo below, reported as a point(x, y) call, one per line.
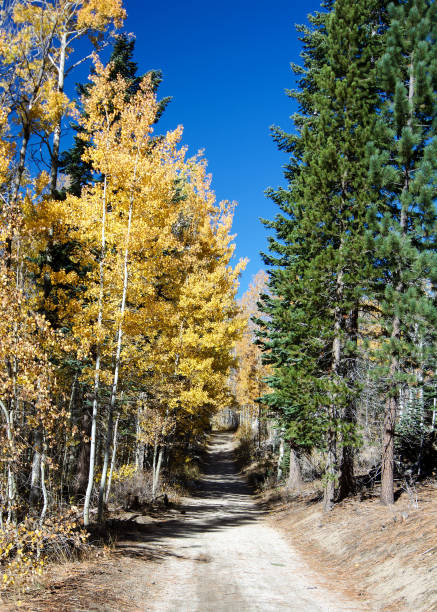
point(331, 450)
point(346, 484)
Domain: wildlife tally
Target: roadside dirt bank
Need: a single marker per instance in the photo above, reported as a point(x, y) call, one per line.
point(384, 556)
point(217, 552)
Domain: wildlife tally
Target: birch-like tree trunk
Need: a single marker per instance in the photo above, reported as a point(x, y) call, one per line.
point(114, 453)
point(43, 486)
point(139, 449)
point(117, 358)
point(156, 469)
point(11, 485)
point(57, 131)
point(86, 507)
point(36, 468)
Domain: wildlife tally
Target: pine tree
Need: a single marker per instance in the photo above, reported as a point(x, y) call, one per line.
point(403, 167)
point(322, 240)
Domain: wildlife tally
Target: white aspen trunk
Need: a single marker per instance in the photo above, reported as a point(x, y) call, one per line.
point(139, 450)
point(117, 358)
point(57, 132)
point(114, 453)
point(156, 470)
point(155, 454)
point(25, 142)
point(11, 486)
point(21, 161)
point(86, 507)
point(36, 468)
point(43, 489)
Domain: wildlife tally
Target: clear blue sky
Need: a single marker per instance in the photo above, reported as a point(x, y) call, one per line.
point(226, 64)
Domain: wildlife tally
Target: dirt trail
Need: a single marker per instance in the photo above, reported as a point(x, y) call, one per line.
point(215, 554)
point(223, 557)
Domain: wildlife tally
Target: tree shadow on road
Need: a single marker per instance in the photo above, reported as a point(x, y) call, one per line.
point(224, 500)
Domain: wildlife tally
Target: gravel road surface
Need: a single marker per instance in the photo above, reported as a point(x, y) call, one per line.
point(221, 556)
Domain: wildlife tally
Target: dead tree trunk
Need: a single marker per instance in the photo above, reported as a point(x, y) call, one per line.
point(36, 469)
point(294, 481)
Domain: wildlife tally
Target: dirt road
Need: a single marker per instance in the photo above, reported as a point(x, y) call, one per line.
point(214, 554)
point(222, 557)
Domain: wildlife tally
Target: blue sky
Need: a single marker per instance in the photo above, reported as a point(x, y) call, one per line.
point(226, 64)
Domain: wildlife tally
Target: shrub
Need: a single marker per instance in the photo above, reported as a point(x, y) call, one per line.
point(26, 548)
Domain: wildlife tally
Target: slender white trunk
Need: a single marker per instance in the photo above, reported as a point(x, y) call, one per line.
point(117, 360)
point(114, 453)
point(36, 468)
point(156, 470)
point(11, 486)
point(43, 489)
point(86, 507)
point(57, 132)
point(139, 451)
point(155, 454)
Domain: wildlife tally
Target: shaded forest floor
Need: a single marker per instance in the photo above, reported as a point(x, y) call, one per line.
point(384, 556)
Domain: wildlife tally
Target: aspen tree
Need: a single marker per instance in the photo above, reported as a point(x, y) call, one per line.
point(103, 106)
point(75, 20)
point(251, 373)
point(135, 174)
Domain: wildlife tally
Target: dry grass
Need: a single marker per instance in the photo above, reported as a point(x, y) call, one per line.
point(385, 556)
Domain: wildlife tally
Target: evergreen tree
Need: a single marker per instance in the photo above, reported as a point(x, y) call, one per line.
point(288, 348)
point(321, 243)
point(79, 172)
point(403, 167)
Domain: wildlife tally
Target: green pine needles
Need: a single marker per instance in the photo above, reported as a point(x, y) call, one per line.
point(352, 259)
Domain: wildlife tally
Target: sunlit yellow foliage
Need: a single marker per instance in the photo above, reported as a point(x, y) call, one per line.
point(24, 548)
point(97, 14)
point(251, 372)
